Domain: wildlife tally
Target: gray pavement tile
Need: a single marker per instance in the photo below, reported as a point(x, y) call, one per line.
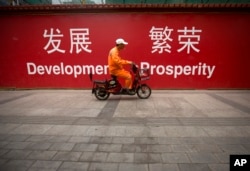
point(31, 129)
point(198, 120)
point(233, 149)
point(16, 165)
point(150, 140)
point(46, 116)
point(196, 148)
point(103, 167)
point(210, 148)
point(100, 140)
point(2, 162)
point(41, 155)
point(76, 166)
point(91, 121)
point(7, 128)
point(39, 138)
point(203, 157)
point(137, 131)
point(62, 146)
point(156, 131)
point(110, 147)
point(185, 131)
point(3, 151)
point(93, 157)
point(241, 120)
point(164, 119)
point(169, 140)
point(147, 158)
point(48, 138)
point(247, 147)
point(99, 157)
point(97, 131)
point(141, 158)
point(59, 139)
point(229, 140)
point(132, 148)
point(17, 137)
point(17, 145)
point(118, 131)
point(194, 167)
point(87, 156)
point(38, 146)
point(67, 156)
point(159, 148)
point(226, 131)
point(123, 140)
point(3, 144)
point(79, 139)
point(70, 130)
point(192, 140)
point(85, 147)
point(16, 154)
point(175, 158)
point(222, 157)
point(120, 157)
point(133, 167)
point(184, 148)
point(163, 167)
point(3, 137)
point(219, 167)
point(45, 165)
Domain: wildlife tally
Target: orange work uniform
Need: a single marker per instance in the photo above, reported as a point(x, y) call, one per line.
point(115, 63)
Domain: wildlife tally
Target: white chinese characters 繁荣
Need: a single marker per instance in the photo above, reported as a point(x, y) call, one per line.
point(161, 38)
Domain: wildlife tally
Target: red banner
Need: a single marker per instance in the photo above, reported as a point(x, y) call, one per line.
point(182, 50)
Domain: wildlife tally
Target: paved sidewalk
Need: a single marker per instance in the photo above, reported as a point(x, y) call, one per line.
point(172, 130)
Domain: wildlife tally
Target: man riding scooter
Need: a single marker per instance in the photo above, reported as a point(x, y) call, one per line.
point(116, 63)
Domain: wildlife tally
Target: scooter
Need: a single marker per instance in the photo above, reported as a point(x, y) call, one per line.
point(103, 88)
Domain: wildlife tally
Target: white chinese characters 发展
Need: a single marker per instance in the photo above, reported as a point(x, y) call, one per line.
point(161, 37)
point(79, 40)
point(54, 42)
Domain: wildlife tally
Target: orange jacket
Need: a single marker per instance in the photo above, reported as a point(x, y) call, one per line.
point(115, 62)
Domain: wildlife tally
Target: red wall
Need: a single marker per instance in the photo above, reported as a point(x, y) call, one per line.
point(40, 51)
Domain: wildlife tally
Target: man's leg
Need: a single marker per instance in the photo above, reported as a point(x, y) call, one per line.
point(127, 76)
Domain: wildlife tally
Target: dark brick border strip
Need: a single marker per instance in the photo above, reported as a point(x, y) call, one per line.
point(14, 98)
point(154, 122)
point(231, 103)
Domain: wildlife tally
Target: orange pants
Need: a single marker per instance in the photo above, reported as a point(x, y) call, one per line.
point(124, 75)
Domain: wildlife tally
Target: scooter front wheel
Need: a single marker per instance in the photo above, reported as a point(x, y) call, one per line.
point(144, 91)
point(101, 93)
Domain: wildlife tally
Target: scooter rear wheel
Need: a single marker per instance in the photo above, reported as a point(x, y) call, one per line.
point(144, 91)
point(101, 93)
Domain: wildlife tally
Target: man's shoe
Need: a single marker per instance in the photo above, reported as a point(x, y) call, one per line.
point(131, 92)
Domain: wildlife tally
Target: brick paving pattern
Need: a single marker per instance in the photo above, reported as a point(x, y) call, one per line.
point(172, 130)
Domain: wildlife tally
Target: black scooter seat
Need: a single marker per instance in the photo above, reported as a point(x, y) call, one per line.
point(113, 77)
point(99, 81)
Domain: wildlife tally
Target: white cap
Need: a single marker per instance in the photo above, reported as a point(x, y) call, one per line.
point(120, 41)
